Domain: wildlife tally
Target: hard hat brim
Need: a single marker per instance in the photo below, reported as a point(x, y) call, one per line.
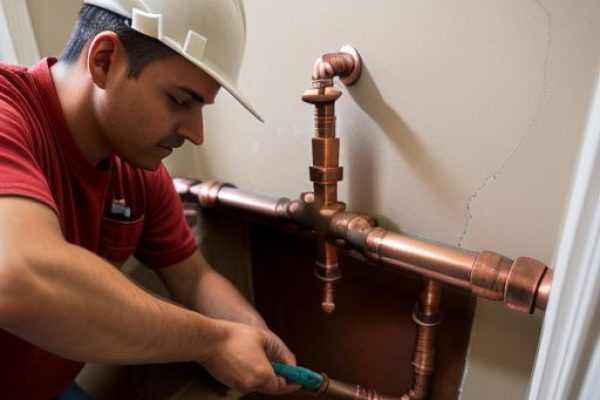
point(224, 83)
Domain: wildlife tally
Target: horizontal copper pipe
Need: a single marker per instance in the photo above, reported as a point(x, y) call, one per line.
point(211, 194)
point(332, 389)
point(486, 274)
point(432, 261)
point(523, 284)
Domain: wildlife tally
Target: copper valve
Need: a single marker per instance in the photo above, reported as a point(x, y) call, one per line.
point(325, 172)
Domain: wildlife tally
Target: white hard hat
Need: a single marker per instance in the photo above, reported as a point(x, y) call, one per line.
point(209, 33)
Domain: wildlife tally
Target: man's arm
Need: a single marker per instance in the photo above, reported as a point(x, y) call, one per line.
point(68, 301)
point(196, 285)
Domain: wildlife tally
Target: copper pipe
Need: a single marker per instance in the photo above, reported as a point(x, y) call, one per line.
point(325, 173)
point(333, 389)
point(212, 194)
point(427, 317)
point(487, 274)
point(523, 284)
point(327, 270)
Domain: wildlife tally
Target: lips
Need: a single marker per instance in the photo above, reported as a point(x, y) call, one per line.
point(172, 143)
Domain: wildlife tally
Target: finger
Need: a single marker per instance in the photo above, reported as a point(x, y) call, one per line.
point(277, 350)
point(272, 385)
point(289, 388)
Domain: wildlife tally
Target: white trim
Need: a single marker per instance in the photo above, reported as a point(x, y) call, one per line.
point(20, 46)
point(568, 355)
point(7, 50)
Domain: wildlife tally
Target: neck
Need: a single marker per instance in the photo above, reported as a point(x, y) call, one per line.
point(74, 88)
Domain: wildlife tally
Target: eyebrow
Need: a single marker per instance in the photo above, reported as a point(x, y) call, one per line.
point(197, 97)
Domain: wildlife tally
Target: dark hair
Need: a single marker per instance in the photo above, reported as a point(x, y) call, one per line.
point(141, 50)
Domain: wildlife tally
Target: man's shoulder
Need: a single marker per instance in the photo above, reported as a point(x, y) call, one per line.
point(13, 76)
point(13, 68)
point(17, 88)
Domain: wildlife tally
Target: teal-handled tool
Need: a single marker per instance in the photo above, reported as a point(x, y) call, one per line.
point(302, 376)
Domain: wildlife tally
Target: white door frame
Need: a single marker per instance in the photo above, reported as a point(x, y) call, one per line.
point(568, 360)
point(18, 44)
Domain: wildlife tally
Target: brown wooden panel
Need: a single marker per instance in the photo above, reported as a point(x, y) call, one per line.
point(369, 339)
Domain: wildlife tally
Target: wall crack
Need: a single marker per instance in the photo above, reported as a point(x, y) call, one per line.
point(526, 136)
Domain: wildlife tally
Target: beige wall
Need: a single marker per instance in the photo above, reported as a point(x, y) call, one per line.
point(52, 22)
point(464, 128)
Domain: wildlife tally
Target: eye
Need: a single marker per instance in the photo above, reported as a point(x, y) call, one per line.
point(177, 102)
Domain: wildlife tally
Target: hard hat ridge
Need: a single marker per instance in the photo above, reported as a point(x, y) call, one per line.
point(209, 33)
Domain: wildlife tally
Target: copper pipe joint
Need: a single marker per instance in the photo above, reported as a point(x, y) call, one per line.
point(212, 194)
point(488, 277)
point(517, 283)
point(346, 64)
point(522, 283)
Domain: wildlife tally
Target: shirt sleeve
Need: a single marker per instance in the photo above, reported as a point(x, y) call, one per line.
point(166, 238)
point(20, 172)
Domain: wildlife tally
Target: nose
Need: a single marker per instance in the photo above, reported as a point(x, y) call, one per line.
point(191, 127)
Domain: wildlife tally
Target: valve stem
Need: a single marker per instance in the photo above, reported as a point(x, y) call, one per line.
point(325, 173)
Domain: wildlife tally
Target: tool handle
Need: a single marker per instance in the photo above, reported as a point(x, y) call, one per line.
point(302, 376)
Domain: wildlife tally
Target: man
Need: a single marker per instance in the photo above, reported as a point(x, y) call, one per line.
point(82, 186)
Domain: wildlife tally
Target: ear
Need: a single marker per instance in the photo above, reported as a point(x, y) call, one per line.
point(104, 55)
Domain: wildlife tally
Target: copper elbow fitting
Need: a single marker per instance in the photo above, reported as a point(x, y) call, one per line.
point(346, 64)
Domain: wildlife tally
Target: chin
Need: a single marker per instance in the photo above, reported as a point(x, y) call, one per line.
point(148, 165)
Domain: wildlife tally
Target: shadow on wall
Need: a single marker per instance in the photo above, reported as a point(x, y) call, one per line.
point(501, 356)
point(363, 179)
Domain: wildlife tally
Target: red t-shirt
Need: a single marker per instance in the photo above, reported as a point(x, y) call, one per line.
point(40, 160)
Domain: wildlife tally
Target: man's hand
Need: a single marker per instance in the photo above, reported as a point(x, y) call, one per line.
point(243, 360)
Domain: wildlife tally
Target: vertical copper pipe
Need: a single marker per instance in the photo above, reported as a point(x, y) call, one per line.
point(325, 173)
point(427, 317)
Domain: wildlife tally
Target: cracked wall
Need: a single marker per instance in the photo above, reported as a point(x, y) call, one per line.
point(463, 129)
point(528, 132)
